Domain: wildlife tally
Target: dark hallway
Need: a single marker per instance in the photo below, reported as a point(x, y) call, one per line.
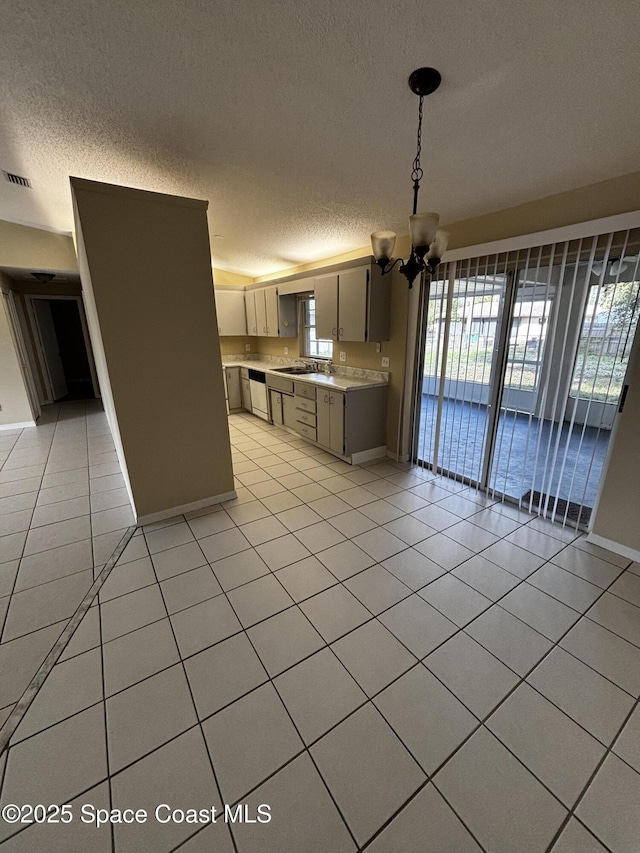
point(73, 351)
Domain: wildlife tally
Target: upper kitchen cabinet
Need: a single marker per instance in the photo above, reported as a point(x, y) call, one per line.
point(268, 315)
point(262, 312)
point(353, 305)
point(252, 317)
point(230, 308)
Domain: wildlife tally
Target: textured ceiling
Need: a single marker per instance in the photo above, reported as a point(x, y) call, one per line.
point(293, 118)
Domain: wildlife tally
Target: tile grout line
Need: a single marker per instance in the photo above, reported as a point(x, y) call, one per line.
point(106, 723)
point(24, 545)
point(483, 721)
point(269, 680)
point(29, 694)
point(592, 777)
point(306, 749)
point(193, 701)
point(368, 699)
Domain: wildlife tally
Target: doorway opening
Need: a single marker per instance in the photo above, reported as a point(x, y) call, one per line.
point(63, 349)
point(524, 359)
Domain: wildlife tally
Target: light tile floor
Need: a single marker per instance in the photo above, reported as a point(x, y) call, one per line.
point(389, 660)
point(63, 510)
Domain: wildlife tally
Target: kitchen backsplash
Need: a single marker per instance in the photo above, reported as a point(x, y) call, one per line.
point(339, 369)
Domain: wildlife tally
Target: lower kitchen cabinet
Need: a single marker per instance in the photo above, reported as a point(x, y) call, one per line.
point(245, 389)
point(289, 411)
point(344, 423)
point(330, 420)
point(353, 422)
point(232, 387)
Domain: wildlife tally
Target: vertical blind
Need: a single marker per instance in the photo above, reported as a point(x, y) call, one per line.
point(522, 363)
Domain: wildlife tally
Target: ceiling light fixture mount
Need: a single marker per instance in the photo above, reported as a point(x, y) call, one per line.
point(428, 243)
point(44, 277)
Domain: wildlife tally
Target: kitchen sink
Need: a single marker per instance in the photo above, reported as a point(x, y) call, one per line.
point(296, 371)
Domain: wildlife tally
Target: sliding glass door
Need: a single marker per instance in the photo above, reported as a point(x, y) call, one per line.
point(524, 361)
point(460, 362)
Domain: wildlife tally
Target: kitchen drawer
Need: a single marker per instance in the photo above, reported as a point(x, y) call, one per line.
point(280, 383)
point(306, 418)
point(306, 405)
point(244, 372)
point(304, 390)
point(306, 431)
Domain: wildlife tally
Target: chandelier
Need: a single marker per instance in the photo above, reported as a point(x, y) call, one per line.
point(428, 242)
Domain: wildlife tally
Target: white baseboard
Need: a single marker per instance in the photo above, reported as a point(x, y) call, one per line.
point(23, 425)
point(368, 455)
point(180, 510)
point(616, 547)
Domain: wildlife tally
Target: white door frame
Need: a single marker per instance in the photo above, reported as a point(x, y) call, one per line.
point(29, 299)
point(21, 352)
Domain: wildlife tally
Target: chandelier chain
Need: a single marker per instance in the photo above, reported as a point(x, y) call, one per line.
point(417, 173)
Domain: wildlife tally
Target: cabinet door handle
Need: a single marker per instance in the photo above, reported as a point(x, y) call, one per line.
point(264, 329)
point(341, 331)
point(326, 398)
point(331, 401)
point(334, 331)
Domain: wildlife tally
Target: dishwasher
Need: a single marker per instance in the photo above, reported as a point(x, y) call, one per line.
point(258, 386)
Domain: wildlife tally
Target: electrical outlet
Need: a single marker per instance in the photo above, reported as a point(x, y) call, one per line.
point(343, 356)
point(385, 361)
point(286, 350)
point(378, 347)
point(247, 347)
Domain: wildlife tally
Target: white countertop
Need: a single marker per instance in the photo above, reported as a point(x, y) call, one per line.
point(338, 381)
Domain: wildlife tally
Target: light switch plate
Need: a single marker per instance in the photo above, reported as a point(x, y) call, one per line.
point(286, 350)
point(385, 361)
point(378, 347)
point(247, 347)
point(343, 356)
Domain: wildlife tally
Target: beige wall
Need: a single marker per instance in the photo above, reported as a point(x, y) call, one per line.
point(618, 511)
point(230, 345)
point(16, 408)
point(233, 279)
point(34, 249)
point(146, 267)
point(596, 201)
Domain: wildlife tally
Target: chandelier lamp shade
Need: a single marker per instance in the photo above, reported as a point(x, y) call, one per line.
point(428, 242)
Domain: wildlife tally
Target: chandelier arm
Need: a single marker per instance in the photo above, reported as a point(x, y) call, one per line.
point(387, 269)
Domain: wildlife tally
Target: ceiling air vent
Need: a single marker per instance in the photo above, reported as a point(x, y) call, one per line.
point(17, 179)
